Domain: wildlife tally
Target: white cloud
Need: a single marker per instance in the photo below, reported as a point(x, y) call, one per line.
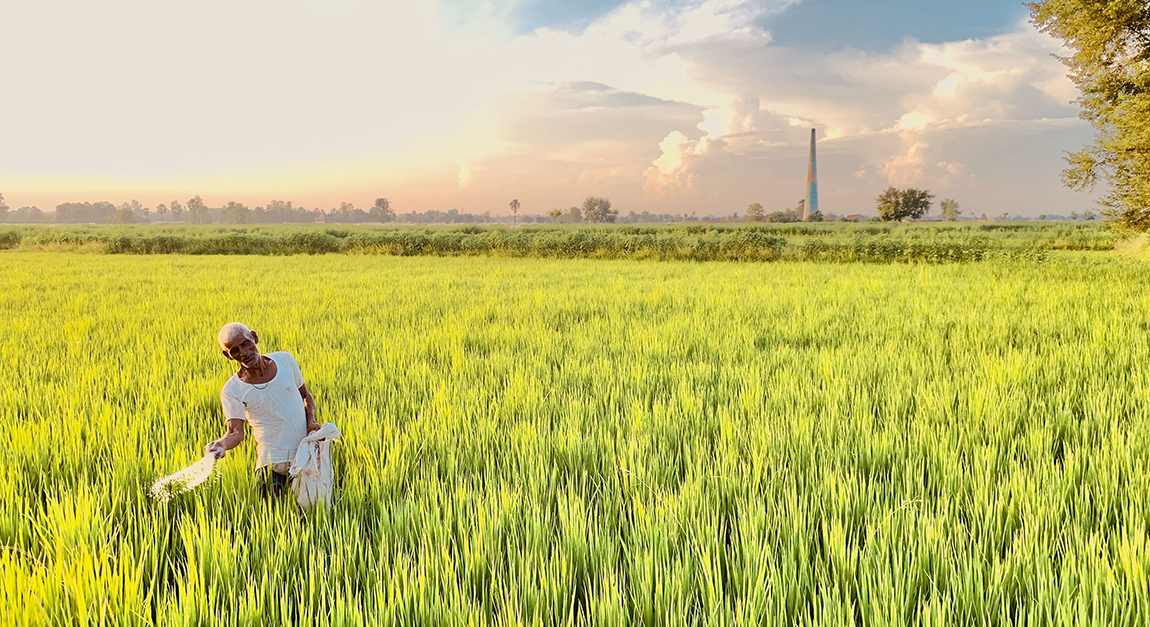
point(916, 168)
point(1009, 77)
point(662, 104)
point(668, 173)
point(906, 169)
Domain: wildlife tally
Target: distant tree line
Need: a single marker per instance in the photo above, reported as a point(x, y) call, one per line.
point(451, 216)
point(892, 205)
point(756, 213)
point(195, 211)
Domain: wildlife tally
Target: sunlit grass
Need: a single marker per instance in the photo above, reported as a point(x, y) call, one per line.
point(586, 442)
point(831, 242)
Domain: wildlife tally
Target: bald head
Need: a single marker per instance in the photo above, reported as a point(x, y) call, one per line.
point(232, 333)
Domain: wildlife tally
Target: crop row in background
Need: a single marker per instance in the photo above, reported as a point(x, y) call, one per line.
point(841, 242)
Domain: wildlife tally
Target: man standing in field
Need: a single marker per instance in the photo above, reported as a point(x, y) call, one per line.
point(267, 392)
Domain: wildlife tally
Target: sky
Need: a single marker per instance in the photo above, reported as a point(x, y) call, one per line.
point(666, 106)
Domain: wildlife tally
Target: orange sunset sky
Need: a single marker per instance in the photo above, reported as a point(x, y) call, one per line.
point(668, 107)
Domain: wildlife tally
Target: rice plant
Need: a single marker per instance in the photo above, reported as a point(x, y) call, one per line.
point(567, 442)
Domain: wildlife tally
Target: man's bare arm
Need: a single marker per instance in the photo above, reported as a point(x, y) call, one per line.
point(232, 438)
point(308, 407)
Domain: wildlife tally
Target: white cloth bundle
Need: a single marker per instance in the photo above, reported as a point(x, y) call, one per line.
point(311, 468)
point(184, 480)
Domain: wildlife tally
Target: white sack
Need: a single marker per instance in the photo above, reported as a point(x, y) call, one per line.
point(186, 479)
point(311, 468)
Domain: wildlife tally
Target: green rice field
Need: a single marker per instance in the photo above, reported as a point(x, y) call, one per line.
point(536, 441)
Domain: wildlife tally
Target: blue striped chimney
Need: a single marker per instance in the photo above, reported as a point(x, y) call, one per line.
point(812, 203)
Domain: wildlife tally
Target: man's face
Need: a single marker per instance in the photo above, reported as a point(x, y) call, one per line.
point(243, 350)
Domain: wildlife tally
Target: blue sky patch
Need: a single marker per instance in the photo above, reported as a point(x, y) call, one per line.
point(569, 16)
point(827, 25)
point(824, 25)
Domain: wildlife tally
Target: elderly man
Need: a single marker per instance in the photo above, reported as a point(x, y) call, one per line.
point(268, 392)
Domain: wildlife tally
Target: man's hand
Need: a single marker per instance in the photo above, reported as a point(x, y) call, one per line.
point(232, 438)
point(216, 448)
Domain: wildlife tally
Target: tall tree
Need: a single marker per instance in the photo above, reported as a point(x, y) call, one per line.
point(555, 214)
point(514, 204)
point(3, 209)
point(27, 215)
point(237, 213)
point(381, 211)
point(81, 212)
point(900, 204)
point(139, 211)
point(756, 213)
point(950, 210)
point(596, 209)
point(198, 212)
point(176, 210)
point(125, 215)
point(789, 215)
point(282, 211)
point(1110, 65)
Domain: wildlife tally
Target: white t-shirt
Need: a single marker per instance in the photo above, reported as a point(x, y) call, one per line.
point(273, 409)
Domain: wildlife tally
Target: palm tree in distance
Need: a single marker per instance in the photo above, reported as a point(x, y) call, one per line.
point(514, 204)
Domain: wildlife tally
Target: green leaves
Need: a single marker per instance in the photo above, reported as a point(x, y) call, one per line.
point(1110, 65)
point(896, 205)
point(596, 209)
point(591, 442)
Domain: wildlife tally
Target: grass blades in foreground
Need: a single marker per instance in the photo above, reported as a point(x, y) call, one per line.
point(586, 442)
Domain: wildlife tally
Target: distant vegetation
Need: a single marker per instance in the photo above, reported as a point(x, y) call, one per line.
point(594, 210)
point(756, 213)
point(195, 211)
point(933, 243)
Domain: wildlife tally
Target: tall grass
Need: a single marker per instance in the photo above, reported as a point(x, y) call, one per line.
point(695, 242)
point(581, 442)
